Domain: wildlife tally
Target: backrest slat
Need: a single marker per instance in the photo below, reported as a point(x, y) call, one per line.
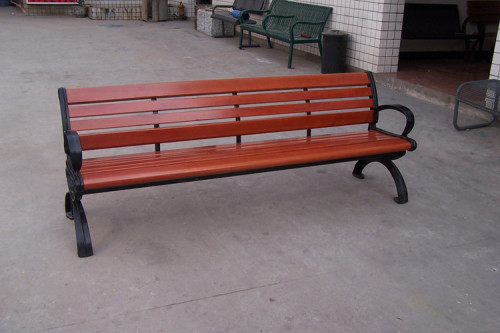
point(218, 130)
point(210, 87)
point(190, 116)
point(91, 110)
point(119, 116)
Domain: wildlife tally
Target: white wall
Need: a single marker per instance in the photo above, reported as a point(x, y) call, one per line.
point(374, 30)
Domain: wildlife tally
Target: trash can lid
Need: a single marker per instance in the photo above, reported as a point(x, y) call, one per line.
point(334, 33)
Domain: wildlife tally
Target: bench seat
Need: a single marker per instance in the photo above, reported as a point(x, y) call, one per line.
point(189, 163)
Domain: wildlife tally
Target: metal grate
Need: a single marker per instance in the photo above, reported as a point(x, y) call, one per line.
point(477, 96)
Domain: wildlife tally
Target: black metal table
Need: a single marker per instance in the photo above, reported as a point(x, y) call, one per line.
point(482, 95)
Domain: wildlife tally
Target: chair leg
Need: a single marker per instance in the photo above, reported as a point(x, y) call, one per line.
point(241, 39)
point(249, 40)
point(395, 173)
point(68, 206)
point(290, 55)
point(83, 241)
point(269, 42)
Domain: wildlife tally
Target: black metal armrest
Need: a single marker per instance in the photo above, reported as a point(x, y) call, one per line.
point(410, 121)
point(73, 149)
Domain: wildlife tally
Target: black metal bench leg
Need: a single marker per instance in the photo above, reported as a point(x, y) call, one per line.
point(68, 208)
point(395, 173)
point(83, 242)
point(358, 168)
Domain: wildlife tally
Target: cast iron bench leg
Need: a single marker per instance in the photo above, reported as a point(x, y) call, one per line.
point(75, 212)
point(395, 173)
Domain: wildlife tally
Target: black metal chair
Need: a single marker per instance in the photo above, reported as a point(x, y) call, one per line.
point(235, 13)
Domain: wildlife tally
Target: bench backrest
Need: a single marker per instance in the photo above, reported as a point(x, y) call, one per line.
point(249, 4)
point(301, 12)
point(119, 116)
point(430, 21)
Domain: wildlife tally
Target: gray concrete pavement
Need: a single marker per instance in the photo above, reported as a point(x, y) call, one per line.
point(307, 250)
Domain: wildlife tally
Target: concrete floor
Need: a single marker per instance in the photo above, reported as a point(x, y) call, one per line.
point(307, 250)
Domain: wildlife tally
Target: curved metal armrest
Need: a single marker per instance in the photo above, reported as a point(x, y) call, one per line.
point(479, 24)
point(221, 6)
point(254, 11)
point(73, 149)
point(410, 118)
point(304, 23)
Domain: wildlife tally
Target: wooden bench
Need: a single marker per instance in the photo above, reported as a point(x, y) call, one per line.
point(290, 22)
point(435, 22)
point(259, 124)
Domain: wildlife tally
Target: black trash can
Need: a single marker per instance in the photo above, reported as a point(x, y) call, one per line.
point(333, 57)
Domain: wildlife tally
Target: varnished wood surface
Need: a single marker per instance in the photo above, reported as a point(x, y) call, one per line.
point(190, 162)
point(147, 114)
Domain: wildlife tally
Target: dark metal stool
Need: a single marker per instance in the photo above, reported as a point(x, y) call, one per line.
point(482, 95)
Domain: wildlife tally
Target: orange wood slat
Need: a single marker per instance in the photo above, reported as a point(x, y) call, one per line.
point(192, 162)
point(218, 130)
point(92, 110)
point(216, 114)
point(205, 87)
point(130, 161)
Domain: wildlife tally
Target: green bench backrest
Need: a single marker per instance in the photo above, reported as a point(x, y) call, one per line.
point(249, 4)
point(300, 11)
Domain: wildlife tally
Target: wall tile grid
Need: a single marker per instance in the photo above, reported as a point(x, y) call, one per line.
point(495, 65)
point(374, 29)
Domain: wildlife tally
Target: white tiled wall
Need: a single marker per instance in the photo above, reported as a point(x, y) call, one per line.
point(374, 30)
point(495, 65)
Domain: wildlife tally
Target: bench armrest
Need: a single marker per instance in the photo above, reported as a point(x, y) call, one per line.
point(305, 23)
point(410, 121)
point(254, 11)
point(221, 6)
point(73, 149)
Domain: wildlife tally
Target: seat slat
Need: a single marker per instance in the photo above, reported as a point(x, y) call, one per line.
point(196, 162)
point(93, 141)
point(208, 152)
point(215, 114)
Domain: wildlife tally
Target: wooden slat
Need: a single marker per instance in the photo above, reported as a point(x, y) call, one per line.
point(92, 110)
point(205, 153)
point(193, 162)
point(207, 87)
point(218, 130)
point(216, 114)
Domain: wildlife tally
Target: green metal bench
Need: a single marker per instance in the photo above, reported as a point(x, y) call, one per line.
point(290, 22)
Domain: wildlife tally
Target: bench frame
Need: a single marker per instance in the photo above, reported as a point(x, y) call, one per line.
point(73, 140)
